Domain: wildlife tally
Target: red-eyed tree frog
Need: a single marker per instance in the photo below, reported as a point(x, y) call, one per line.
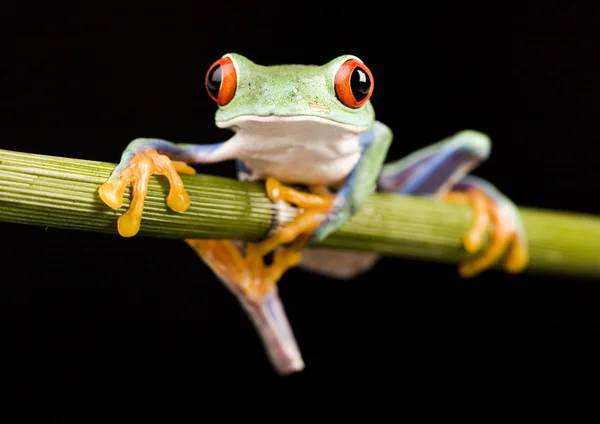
point(310, 133)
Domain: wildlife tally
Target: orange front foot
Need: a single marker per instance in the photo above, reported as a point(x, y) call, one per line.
point(506, 236)
point(249, 272)
point(137, 173)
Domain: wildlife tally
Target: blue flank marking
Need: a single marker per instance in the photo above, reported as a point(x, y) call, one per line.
point(269, 302)
point(346, 191)
point(240, 166)
point(365, 140)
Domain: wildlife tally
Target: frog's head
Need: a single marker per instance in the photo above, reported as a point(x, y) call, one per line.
point(334, 94)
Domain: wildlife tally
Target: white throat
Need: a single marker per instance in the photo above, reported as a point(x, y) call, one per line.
point(298, 149)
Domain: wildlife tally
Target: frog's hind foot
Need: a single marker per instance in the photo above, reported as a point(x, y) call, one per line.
point(137, 173)
point(508, 240)
point(246, 274)
point(253, 283)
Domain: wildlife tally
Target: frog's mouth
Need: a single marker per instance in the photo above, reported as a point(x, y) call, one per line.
point(288, 123)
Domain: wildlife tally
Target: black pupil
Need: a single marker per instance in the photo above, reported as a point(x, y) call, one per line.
point(360, 83)
point(213, 82)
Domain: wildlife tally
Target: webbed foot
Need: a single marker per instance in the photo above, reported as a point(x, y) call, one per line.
point(137, 173)
point(250, 273)
point(288, 242)
point(507, 236)
point(254, 287)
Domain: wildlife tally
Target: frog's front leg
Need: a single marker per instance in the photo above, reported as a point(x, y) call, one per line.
point(146, 157)
point(441, 170)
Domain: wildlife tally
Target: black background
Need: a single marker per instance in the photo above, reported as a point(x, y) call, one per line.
point(84, 314)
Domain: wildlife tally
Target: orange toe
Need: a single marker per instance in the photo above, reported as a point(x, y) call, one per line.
point(141, 167)
point(504, 236)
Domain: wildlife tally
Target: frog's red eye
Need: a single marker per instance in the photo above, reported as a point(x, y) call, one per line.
point(221, 80)
point(353, 83)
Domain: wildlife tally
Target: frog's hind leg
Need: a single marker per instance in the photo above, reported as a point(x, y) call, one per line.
point(244, 271)
point(440, 170)
point(227, 260)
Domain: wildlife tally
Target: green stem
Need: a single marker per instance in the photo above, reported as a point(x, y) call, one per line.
point(62, 193)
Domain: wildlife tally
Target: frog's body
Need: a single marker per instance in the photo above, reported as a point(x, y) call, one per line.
point(312, 126)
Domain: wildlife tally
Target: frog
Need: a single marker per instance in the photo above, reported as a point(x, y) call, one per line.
point(310, 135)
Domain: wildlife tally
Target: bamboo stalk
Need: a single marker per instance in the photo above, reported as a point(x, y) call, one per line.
point(62, 192)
